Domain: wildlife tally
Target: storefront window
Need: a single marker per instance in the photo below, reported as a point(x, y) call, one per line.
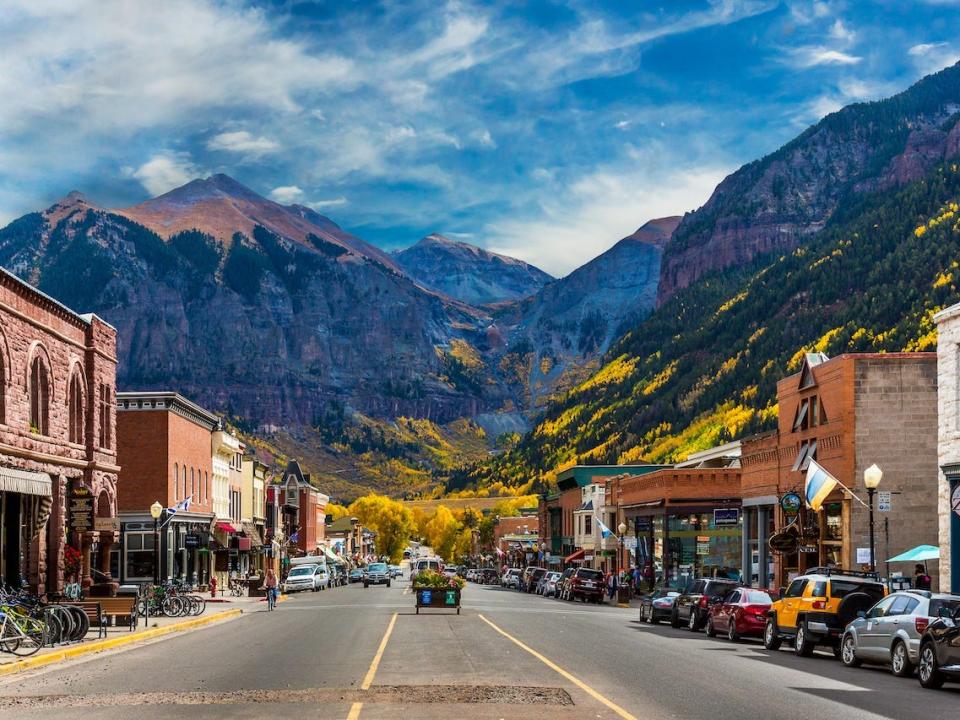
point(139, 553)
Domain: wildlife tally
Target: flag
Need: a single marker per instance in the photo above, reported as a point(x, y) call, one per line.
point(818, 486)
point(605, 532)
point(295, 537)
point(183, 505)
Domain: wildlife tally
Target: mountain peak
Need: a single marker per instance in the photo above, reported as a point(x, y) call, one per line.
point(215, 186)
point(69, 204)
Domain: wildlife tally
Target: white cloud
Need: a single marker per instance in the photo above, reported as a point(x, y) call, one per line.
point(839, 31)
point(483, 138)
point(323, 204)
point(164, 172)
point(933, 56)
point(602, 207)
point(623, 125)
point(805, 57)
point(241, 141)
point(286, 194)
point(924, 48)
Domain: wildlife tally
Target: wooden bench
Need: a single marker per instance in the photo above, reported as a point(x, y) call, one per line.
point(124, 606)
point(94, 614)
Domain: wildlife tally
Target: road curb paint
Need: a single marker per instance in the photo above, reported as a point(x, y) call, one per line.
point(111, 643)
point(553, 666)
point(371, 673)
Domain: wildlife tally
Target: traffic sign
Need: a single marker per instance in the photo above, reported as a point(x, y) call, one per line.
point(884, 501)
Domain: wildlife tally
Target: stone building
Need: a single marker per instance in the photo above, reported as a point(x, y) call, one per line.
point(163, 443)
point(948, 446)
point(58, 461)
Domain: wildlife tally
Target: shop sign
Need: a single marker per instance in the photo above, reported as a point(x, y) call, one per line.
point(726, 517)
point(955, 499)
point(80, 508)
point(642, 524)
point(884, 501)
point(783, 542)
point(791, 503)
point(809, 549)
point(703, 548)
point(587, 558)
point(191, 541)
point(106, 524)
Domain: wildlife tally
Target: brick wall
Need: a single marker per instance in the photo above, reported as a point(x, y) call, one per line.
point(948, 450)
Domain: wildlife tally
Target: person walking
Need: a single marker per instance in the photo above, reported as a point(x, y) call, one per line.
point(270, 583)
point(921, 581)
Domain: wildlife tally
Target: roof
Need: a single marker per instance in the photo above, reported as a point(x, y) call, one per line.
point(166, 400)
point(344, 524)
point(86, 319)
point(582, 475)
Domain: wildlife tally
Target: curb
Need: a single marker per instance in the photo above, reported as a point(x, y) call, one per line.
point(111, 643)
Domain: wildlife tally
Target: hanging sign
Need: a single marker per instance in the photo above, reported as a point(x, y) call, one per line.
point(790, 503)
point(726, 517)
point(783, 542)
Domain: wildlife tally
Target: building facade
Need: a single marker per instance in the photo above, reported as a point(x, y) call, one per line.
point(164, 440)
point(58, 460)
point(948, 446)
point(253, 510)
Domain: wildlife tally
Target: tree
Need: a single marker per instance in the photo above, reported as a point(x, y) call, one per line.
point(391, 520)
point(337, 511)
point(441, 532)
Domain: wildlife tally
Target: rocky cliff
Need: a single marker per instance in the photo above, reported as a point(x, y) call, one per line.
point(776, 203)
point(469, 273)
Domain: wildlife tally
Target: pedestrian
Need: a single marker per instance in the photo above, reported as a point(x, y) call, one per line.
point(271, 585)
point(921, 580)
point(611, 585)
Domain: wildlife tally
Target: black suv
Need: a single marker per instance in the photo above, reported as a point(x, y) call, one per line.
point(692, 605)
point(533, 578)
point(940, 650)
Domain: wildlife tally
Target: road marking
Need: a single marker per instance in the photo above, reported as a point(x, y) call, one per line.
point(355, 711)
point(368, 680)
point(553, 666)
point(406, 591)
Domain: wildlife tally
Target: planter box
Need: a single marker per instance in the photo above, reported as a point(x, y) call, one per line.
point(437, 598)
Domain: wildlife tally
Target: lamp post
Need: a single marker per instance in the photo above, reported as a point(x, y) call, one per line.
point(621, 529)
point(871, 479)
point(543, 548)
point(156, 510)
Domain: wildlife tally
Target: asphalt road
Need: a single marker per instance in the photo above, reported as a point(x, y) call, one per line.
point(363, 653)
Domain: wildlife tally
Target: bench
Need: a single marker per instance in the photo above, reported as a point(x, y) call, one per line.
point(124, 606)
point(94, 614)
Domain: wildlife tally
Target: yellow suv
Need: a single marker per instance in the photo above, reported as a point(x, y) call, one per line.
point(817, 606)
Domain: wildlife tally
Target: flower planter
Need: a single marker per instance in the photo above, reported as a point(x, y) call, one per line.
point(447, 597)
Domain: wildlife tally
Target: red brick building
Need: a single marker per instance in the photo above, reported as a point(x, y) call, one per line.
point(303, 511)
point(164, 446)
point(58, 463)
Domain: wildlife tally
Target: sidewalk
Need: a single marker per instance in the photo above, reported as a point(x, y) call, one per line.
point(217, 610)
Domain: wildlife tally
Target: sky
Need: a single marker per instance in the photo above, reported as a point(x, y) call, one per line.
point(542, 130)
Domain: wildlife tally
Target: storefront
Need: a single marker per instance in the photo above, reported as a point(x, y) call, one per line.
point(25, 501)
point(185, 546)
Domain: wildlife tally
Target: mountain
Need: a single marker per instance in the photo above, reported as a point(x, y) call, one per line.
point(469, 273)
point(779, 202)
point(558, 333)
point(702, 368)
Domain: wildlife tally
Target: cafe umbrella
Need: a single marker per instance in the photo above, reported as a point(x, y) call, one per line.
point(918, 554)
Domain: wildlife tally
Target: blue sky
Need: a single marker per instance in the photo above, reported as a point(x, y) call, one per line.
point(546, 130)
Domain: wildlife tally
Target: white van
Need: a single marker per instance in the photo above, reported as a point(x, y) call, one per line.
point(435, 564)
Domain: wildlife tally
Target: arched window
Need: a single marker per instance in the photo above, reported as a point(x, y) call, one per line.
point(39, 396)
point(106, 401)
point(206, 486)
point(176, 480)
point(193, 482)
point(75, 410)
point(184, 474)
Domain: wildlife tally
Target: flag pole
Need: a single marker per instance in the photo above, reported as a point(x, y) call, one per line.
point(852, 494)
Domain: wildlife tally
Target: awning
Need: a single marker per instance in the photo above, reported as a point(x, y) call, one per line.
point(226, 527)
point(331, 555)
point(251, 531)
point(575, 557)
point(25, 482)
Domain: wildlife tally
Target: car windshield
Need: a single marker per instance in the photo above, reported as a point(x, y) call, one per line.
point(376, 567)
point(590, 574)
point(296, 572)
point(842, 588)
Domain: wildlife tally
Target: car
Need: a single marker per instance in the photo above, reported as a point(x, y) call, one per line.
point(742, 613)
point(889, 633)
point(818, 605)
point(301, 577)
point(489, 576)
point(377, 573)
point(395, 571)
point(548, 584)
point(533, 579)
point(422, 564)
point(356, 575)
point(586, 584)
point(940, 650)
point(690, 607)
point(511, 578)
point(658, 605)
point(321, 578)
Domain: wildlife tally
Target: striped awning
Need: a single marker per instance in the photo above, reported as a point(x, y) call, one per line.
point(25, 482)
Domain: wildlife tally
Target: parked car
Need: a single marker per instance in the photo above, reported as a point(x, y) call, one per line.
point(376, 574)
point(692, 605)
point(890, 632)
point(511, 578)
point(586, 584)
point(818, 606)
point(356, 575)
point(395, 571)
point(548, 584)
point(563, 584)
point(489, 576)
point(533, 579)
point(742, 613)
point(657, 605)
point(301, 577)
point(940, 650)
point(422, 564)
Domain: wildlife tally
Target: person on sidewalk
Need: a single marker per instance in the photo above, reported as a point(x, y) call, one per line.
point(270, 583)
point(921, 581)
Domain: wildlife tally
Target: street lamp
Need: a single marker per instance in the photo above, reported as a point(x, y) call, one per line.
point(156, 510)
point(871, 479)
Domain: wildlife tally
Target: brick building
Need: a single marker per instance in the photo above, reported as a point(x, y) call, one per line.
point(846, 413)
point(58, 464)
point(164, 441)
point(303, 511)
point(948, 446)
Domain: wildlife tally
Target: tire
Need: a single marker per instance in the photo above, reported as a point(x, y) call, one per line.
point(675, 619)
point(710, 630)
point(928, 671)
point(900, 663)
point(693, 623)
point(802, 645)
point(771, 635)
point(848, 652)
point(388, 583)
point(366, 585)
point(652, 617)
point(732, 634)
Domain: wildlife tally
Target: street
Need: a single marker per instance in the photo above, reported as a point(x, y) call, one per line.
point(363, 653)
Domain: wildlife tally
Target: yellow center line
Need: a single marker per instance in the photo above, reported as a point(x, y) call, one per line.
point(368, 680)
point(556, 668)
point(355, 711)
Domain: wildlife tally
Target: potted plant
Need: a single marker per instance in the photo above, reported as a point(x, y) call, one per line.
point(436, 590)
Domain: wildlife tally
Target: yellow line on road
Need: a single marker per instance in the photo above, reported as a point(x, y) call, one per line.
point(553, 666)
point(368, 680)
point(355, 711)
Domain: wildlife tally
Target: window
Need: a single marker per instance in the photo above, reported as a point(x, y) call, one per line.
point(732, 597)
point(899, 606)
point(176, 480)
point(39, 397)
point(193, 482)
point(139, 555)
point(106, 400)
point(588, 525)
point(800, 421)
point(184, 476)
point(795, 589)
point(75, 413)
point(880, 609)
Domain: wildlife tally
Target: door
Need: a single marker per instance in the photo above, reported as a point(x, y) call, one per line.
point(871, 630)
point(727, 611)
point(898, 615)
point(790, 605)
point(687, 600)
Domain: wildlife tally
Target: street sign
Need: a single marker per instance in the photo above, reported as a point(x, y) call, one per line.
point(630, 543)
point(106, 524)
point(726, 517)
point(884, 501)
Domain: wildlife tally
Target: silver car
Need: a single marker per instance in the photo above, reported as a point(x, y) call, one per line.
point(889, 632)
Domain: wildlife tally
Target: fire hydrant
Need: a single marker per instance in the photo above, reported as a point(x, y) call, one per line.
point(213, 587)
